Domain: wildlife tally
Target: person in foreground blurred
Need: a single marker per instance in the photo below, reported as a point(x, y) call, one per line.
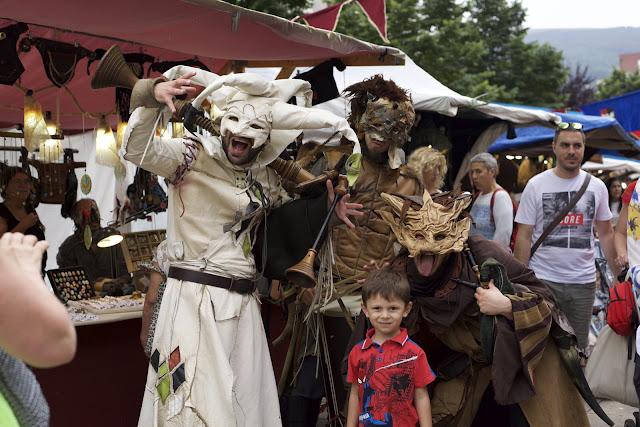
point(36, 330)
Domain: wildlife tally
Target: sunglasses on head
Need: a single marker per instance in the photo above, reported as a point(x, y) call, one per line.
point(567, 125)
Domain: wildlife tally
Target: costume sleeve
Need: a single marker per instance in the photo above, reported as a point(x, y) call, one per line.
point(422, 373)
point(352, 372)
point(503, 217)
point(626, 196)
point(527, 209)
point(163, 155)
point(519, 343)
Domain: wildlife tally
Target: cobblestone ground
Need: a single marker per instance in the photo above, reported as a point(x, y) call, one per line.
point(618, 413)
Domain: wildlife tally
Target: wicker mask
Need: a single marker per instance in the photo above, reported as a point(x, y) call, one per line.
point(431, 229)
point(384, 120)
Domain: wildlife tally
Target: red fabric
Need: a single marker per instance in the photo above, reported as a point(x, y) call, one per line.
point(376, 12)
point(621, 312)
point(628, 193)
point(325, 19)
point(387, 376)
point(172, 29)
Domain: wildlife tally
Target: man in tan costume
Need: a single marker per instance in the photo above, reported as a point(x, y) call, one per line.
point(382, 116)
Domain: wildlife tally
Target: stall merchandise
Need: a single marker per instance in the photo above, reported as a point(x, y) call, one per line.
point(71, 284)
point(141, 247)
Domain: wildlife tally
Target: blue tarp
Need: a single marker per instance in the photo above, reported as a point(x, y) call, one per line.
point(623, 108)
point(537, 134)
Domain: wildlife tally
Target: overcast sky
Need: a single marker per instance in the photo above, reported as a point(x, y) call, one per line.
point(582, 13)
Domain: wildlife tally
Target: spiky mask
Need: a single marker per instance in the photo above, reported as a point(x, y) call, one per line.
point(435, 227)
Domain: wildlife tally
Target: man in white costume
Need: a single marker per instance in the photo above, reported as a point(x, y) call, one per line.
point(210, 362)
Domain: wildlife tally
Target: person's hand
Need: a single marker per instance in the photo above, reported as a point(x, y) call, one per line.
point(344, 208)
point(21, 253)
point(30, 220)
point(492, 302)
point(275, 293)
point(165, 91)
point(371, 267)
point(622, 260)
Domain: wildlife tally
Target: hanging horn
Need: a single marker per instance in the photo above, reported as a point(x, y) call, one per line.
point(302, 274)
point(113, 71)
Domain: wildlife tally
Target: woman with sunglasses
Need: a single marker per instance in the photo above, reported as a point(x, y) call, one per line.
point(17, 214)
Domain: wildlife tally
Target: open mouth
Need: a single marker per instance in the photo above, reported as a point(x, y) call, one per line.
point(240, 145)
point(424, 263)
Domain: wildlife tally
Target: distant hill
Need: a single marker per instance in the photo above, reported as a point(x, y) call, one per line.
point(598, 48)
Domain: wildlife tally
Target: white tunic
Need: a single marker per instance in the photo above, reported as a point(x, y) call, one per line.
point(212, 364)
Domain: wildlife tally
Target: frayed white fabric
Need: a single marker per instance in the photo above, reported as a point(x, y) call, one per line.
point(224, 335)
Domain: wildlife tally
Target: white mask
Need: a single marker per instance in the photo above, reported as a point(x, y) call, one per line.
point(248, 120)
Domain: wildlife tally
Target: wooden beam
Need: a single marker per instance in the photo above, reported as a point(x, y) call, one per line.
point(285, 73)
point(371, 59)
point(11, 134)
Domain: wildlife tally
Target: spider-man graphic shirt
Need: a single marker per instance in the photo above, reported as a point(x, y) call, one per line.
point(387, 375)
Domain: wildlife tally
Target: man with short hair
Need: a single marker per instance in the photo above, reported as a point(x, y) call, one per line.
point(492, 209)
point(565, 260)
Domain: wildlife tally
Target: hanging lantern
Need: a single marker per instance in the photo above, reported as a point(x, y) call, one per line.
point(122, 126)
point(35, 128)
point(52, 126)
point(50, 150)
point(106, 149)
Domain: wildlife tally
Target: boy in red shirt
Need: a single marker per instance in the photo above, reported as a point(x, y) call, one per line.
point(388, 372)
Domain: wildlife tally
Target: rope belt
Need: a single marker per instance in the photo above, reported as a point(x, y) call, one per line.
point(241, 286)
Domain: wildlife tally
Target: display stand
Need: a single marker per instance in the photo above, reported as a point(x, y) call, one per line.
point(140, 246)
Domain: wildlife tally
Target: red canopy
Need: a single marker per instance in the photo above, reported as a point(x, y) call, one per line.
point(214, 31)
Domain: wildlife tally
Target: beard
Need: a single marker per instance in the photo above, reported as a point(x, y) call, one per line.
point(230, 143)
point(377, 157)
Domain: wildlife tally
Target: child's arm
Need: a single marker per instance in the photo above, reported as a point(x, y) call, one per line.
point(352, 416)
point(423, 406)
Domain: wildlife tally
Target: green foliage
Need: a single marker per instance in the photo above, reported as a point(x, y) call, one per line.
point(475, 47)
point(617, 83)
point(284, 8)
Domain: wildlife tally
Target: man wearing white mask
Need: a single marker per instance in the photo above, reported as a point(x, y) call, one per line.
point(210, 361)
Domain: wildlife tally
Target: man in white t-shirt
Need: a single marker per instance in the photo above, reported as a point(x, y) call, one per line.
point(565, 260)
point(492, 222)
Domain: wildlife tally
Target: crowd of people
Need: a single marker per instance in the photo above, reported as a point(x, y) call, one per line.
point(461, 322)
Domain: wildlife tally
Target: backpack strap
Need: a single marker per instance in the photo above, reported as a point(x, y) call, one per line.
point(493, 198)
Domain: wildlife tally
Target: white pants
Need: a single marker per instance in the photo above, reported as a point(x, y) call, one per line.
point(227, 378)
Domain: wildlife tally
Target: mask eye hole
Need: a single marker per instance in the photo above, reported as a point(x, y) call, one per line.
point(420, 237)
point(439, 237)
point(232, 118)
point(254, 126)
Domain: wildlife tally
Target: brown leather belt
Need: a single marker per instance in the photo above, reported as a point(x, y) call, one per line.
point(241, 286)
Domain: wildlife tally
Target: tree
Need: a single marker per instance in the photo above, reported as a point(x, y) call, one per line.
point(617, 83)
point(474, 47)
point(579, 88)
point(284, 8)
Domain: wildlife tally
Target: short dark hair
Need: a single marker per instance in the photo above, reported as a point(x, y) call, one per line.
point(387, 283)
point(569, 129)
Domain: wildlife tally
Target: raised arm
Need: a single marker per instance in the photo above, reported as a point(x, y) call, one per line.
point(34, 325)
